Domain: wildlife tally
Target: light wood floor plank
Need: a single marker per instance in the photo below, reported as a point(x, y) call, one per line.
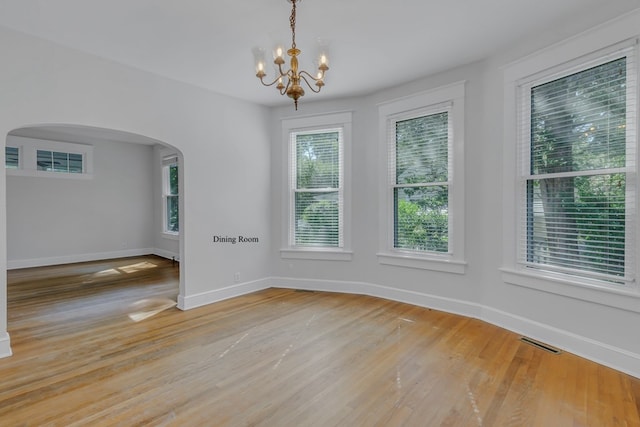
point(100, 344)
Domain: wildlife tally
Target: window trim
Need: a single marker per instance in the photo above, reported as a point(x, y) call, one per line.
point(525, 87)
point(341, 120)
point(167, 161)
point(452, 99)
point(27, 157)
point(579, 50)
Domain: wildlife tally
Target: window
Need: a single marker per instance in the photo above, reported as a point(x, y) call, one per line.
point(420, 182)
point(318, 209)
point(423, 137)
point(12, 157)
point(577, 171)
point(316, 186)
point(171, 195)
point(53, 161)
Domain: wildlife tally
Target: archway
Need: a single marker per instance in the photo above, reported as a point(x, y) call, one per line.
point(108, 203)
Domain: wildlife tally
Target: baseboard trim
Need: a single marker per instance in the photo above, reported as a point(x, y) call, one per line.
point(5, 345)
point(604, 354)
point(69, 259)
point(362, 288)
point(216, 295)
point(166, 254)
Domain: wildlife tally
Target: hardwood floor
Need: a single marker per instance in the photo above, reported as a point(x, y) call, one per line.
point(101, 344)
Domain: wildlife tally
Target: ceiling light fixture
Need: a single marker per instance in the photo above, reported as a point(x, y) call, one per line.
point(293, 76)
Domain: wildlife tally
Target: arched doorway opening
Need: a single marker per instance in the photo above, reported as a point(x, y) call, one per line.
point(85, 194)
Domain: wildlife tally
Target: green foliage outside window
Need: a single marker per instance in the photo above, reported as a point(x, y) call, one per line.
point(317, 216)
point(421, 194)
point(578, 128)
point(173, 208)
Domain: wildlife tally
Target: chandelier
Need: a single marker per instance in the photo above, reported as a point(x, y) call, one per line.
point(293, 76)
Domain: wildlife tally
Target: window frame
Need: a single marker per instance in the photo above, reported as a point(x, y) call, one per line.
point(524, 143)
point(167, 163)
point(316, 124)
point(295, 189)
point(450, 98)
point(575, 55)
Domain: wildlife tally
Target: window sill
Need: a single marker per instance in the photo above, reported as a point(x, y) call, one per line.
point(44, 174)
point(624, 298)
point(422, 262)
point(171, 236)
point(319, 254)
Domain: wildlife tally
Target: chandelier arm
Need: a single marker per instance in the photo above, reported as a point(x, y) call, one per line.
point(286, 88)
point(315, 79)
point(282, 73)
point(273, 82)
point(302, 77)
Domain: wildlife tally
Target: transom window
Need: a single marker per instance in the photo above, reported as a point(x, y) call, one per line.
point(12, 157)
point(54, 161)
point(51, 159)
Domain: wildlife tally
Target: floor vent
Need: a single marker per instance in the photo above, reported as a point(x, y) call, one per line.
point(304, 290)
point(540, 345)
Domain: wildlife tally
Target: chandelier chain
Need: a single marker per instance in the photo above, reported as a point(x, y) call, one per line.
point(292, 22)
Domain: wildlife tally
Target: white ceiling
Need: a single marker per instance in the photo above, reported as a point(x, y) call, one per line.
point(373, 43)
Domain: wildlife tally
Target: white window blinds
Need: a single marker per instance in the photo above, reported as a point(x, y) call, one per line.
point(578, 171)
point(420, 174)
point(317, 188)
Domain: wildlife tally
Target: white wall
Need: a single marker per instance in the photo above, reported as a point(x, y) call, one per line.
point(224, 142)
point(592, 328)
point(52, 220)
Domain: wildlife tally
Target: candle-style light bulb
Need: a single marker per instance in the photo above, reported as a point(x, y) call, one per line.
point(322, 62)
point(260, 73)
point(278, 53)
point(258, 54)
